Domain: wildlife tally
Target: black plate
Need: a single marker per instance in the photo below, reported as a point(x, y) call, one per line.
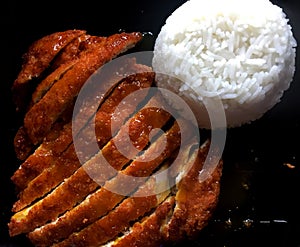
point(259, 203)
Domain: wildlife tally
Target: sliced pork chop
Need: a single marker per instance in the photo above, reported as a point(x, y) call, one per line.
point(37, 60)
point(59, 165)
point(182, 215)
point(63, 60)
point(41, 116)
point(60, 229)
point(67, 202)
point(140, 126)
point(39, 119)
point(51, 148)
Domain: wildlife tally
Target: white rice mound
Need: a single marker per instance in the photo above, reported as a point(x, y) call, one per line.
point(238, 51)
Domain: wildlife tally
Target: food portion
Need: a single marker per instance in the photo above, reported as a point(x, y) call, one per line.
point(59, 99)
point(241, 53)
point(37, 59)
point(87, 195)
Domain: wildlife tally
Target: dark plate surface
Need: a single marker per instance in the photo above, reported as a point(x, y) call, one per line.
point(259, 204)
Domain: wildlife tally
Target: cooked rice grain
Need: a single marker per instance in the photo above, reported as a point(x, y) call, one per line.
point(242, 52)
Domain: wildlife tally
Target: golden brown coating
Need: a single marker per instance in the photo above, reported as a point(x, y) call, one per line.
point(37, 60)
point(22, 144)
point(60, 88)
point(49, 81)
point(74, 193)
point(39, 119)
point(38, 214)
point(54, 232)
point(60, 137)
point(64, 61)
point(118, 220)
point(148, 231)
point(72, 50)
point(42, 52)
point(192, 212)
point(64, 164)
point(43, 156)
point(180, 216)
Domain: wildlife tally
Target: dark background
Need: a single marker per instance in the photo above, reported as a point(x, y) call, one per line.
point(259, 201)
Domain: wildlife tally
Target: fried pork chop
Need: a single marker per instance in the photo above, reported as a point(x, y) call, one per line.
point(71, 198)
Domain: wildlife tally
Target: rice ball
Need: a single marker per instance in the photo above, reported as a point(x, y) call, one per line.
point(237, 52)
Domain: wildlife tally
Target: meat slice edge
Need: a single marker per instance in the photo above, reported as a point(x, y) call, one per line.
point(39, 119)
point(50, 150)
point(63, 164)
point(61, 229)
point(34, 216)
point(37, 59)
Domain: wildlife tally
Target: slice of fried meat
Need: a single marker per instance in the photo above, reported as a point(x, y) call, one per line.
point(39, 119)
point(140, 126)
point(60, 229)
point(63, 61)
point(192, 213)
point(106, 169)
point(58, 165)
point(182, 215)
point(116, 221)
point(43, 156)
point(147, 232)
point(37, 59)
point(58, 141)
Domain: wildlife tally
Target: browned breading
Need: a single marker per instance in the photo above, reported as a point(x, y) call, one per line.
point(132, 77)
point(64, 61)
point(58, 141)
point(39, 119)
point(54, 232)
point(86, 183)
point(116, 221)
point(62, 165)
point(192, 213)
point(37, 59)
point(192, 207)
point(22, 144)
point(72, 51)
point(38, 214)
point(147, 232)
point(49, 81)
point(43, 156)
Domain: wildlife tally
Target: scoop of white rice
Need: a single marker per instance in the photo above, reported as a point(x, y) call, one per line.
point(238, 51)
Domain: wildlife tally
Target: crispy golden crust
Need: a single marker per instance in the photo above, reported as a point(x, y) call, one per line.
point(22, 144)
point(65, 58)
point(49, 81)
point(68, 163)
point(148, 231)
point(64, 61)
point(38, 58)
point(72, 50)
point(192, 213)
point(58, 140)
point(140, 78)
point(69, 197)
point(43, 156)
point(57, 231)
point(118, 220)
point(64, 164)
point(181, 216)
point(39, 119)
point(42, 52)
